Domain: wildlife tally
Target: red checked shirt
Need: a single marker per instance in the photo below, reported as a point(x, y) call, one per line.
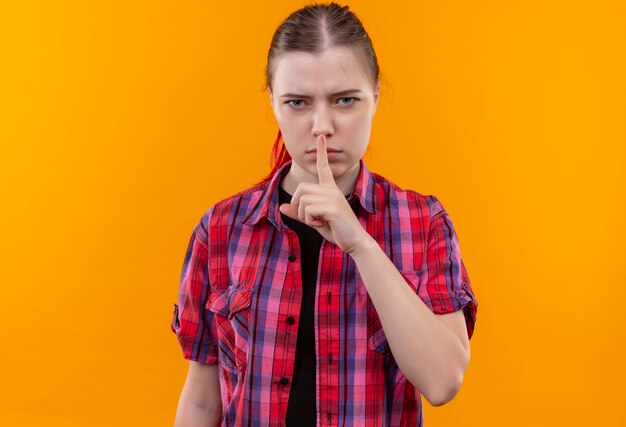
point(241, 281)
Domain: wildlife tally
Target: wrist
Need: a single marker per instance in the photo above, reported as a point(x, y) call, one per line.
point(366, 246)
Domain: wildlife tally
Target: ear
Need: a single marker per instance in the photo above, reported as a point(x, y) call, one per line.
point(271, 100)
point(376, 96)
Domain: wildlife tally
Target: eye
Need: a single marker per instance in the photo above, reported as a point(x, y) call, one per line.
point(350, 99)
point(296, 103)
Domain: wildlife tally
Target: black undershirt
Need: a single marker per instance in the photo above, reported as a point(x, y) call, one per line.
point(301, 410)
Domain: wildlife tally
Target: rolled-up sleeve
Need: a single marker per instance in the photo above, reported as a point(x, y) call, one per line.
point(447, 285)
point(192, 324)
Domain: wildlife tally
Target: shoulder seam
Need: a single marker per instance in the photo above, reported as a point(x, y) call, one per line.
point(381, 179)
point(234, 197)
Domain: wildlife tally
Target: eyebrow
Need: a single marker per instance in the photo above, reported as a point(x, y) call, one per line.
point(343, 92)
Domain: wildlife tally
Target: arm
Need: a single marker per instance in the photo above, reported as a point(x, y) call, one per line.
point(431, 350)
point(200, 402)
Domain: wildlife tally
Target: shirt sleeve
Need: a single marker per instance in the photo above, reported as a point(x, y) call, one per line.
point(448, 287)
point(192, 324)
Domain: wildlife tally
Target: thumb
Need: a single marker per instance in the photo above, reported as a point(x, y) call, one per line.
point(289, 210)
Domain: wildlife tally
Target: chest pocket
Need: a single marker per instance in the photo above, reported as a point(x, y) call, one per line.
point(231, 308)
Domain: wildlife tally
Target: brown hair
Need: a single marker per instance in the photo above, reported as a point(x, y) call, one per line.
point(313, 29)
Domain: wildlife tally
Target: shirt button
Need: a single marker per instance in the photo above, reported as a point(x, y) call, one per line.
point(291, 258)
point(291, 320)
point(284, 380)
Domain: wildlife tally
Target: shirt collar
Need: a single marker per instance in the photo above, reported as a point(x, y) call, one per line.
point(267, 205)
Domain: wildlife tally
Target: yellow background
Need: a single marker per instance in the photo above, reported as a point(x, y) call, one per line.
point(122, 122)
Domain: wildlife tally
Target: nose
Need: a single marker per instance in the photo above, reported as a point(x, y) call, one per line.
point(322, 122)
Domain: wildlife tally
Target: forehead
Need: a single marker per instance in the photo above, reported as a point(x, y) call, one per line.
point(336, 68)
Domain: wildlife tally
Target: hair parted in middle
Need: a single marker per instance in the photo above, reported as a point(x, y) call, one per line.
point(313, 29)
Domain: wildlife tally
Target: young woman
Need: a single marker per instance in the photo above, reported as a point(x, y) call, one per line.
point(325, 294)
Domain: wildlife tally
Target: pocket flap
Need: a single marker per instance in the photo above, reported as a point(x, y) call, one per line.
point(229, 301)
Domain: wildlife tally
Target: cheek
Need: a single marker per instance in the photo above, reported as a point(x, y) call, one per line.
point(291, 135)
point(357, 125)
point(292, 129)
point(289, 120)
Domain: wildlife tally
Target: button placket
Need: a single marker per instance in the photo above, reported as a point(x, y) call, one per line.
point(328, 306)
point(286, 332)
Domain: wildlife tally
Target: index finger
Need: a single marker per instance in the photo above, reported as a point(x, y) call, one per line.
point(324, 172)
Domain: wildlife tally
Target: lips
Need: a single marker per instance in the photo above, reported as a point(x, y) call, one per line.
point(328, 150)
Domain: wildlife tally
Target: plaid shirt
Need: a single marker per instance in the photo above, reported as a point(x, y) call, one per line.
point(241, 290)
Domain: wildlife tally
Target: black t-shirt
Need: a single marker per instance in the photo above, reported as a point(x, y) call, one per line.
point(301, 410)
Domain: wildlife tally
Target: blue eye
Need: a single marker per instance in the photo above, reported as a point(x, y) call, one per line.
point(350, 98)
point(295, 100)
point(299, 103)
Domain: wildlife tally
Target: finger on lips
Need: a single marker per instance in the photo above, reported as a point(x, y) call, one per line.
point(312, 195)
point(324, 172)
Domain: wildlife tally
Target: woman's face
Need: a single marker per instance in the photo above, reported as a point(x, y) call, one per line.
point(329, 93)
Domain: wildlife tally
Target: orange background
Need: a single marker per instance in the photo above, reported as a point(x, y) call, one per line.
point(122, 122)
